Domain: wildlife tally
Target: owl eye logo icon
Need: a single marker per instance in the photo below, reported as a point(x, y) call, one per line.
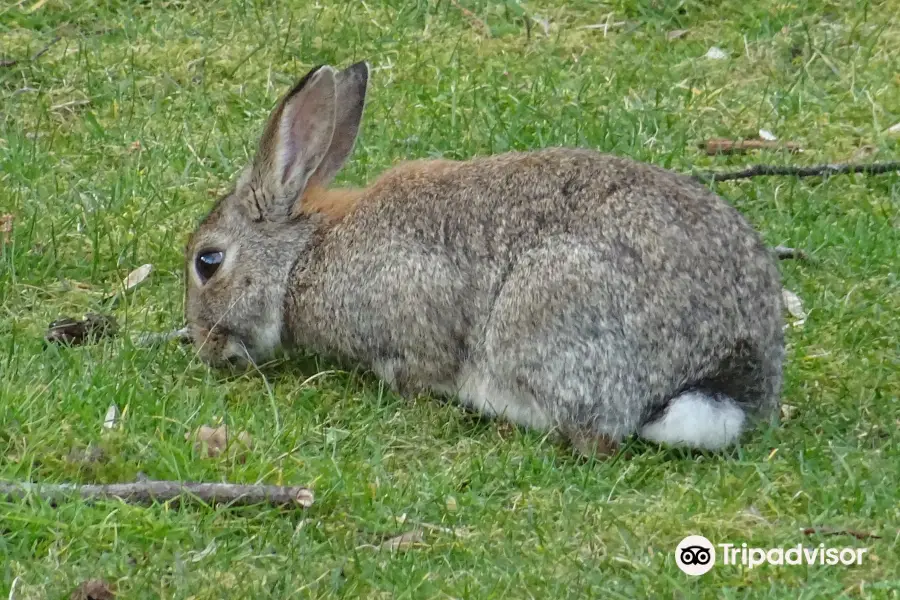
point(695, 555)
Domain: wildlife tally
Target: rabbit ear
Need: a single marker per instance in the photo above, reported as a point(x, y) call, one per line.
point(296, 140)
point(351, 99)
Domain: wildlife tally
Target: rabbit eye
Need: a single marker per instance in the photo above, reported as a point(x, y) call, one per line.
point(208, 263)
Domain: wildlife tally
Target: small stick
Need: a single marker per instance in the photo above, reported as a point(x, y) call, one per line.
point(814, 171)
point(153, 338)
point(149, 491)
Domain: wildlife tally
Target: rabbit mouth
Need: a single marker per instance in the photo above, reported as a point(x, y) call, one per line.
point(220, 348)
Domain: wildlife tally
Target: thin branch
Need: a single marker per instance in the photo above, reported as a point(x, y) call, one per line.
point(813, 171)
point(149, 491)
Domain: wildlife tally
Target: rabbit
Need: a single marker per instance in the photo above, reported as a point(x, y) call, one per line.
point(562, 289)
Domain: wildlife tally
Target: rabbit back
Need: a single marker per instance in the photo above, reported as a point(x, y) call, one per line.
point(559, 287)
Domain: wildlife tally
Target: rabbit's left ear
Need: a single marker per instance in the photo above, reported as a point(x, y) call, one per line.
point(309, 136)
point(351, 86)
point(294, 144)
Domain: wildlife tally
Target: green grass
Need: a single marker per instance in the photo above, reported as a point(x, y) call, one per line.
point(192, 83)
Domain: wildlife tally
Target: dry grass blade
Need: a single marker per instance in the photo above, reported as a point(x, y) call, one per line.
point(404, 541)
point(829, 531)
point(725, 146)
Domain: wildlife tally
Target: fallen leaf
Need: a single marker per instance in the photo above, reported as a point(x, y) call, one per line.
point(765, 134)
point(788, 411)
point(6, 227)
point(725, 146)
point(860, 535)
point(71, 332)
point(451, 505)
point(305, 498)
point(94, 589)
point(716, 53)
point(794, 306)
point(403, 542)
point(135, 146)
point(215, 440)
point(112, 417)
point(676, 33)
point(137, 277)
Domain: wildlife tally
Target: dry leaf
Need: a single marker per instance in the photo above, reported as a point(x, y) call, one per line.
point(765, 134)
point(6, 227)
point(135, 146)
point(794, 306)
point(215, 440)
point(676, 33)
point(72, 332)
point(894, 129)
point(94, 589)
point(305, 498)
point(788, 411)
point(112, 417)
point(451, 504)
point(716, 53)
point(403, 542)
point(137, 277)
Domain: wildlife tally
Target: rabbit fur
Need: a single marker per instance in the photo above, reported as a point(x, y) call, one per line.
point(562, 288)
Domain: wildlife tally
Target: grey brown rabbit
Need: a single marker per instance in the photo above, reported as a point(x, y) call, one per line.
point(562, 288)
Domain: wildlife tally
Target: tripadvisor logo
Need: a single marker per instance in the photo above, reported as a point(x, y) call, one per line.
point(696, 555)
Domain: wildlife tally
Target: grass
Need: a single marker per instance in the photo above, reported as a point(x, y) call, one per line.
point(114, 142)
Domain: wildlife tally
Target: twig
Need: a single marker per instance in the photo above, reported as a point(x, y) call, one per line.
point(784, 253)
point(813, 171)
point(472, 17)
point(152, 338)
point(149, 491)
